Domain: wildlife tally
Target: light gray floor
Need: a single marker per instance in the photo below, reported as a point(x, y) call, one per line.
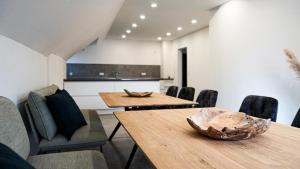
point(117, 152)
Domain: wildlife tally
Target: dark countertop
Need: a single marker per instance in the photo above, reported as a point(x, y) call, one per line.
point(114, 79)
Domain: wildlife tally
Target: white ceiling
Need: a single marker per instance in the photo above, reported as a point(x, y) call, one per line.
point(61, 27)
point(165, 18)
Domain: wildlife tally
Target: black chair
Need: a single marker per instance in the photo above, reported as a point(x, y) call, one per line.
point(207, 98)
point(187, 93)
point(260, 106)
point(172, 91)
point(296, 121)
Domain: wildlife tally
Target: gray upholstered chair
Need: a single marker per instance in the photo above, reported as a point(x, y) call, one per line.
point(296, 121)
point(172, 91)
point(14, 135)
point(90, 136)
point(207, 98)
point(187, 93)
point(260, 106)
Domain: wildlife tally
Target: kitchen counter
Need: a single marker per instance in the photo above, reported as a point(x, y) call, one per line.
point(114, 79)
point(85, 91)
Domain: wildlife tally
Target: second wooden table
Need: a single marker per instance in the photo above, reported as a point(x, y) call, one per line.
point(121, 99)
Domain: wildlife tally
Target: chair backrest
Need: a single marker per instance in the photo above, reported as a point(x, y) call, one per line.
point(172, 91)
point(12, 129)
point(260, 106)
point(187, 93)
point(296, 121)
point(207, 98)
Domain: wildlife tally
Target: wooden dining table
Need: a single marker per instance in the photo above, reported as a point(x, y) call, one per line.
point(156, 100)
point(121, 99)
point(170, 142)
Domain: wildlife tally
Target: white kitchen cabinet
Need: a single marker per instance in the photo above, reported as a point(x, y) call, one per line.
point(138, 86)
point(88, 88)
point(90, 102)
point(86, 95)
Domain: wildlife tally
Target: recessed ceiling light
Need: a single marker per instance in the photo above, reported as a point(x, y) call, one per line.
point(159, 38)
point(128, 31)
point(168, 33)
point(194, 21)
point(153, 5)
point(142, 17)
point(179, 28)
point(123, 36)
point(134, 25)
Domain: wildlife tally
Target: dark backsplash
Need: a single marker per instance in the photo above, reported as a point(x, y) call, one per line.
point(125, 71)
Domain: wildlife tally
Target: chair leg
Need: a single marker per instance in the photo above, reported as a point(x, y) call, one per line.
point(114, 132)
point(101, 149)
point(131, 156)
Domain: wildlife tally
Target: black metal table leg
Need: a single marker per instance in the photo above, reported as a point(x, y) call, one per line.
point(117, 127)
point(131, 156)
point(114, 132)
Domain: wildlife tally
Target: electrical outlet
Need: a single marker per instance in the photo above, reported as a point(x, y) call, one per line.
point(101, 74)
point(143, 74)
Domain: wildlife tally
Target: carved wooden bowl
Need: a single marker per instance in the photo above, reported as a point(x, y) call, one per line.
point(138, 94)
point(228, 125)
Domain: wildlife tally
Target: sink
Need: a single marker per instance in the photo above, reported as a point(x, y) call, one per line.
point(109, 78)
point(126, 79)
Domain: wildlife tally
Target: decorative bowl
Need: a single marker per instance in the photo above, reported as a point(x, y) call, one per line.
point(138, 94)
point(225, 125)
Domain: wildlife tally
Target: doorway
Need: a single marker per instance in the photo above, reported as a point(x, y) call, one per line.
point(182, 67)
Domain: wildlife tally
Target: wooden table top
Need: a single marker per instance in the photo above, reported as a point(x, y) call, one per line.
point(169, 142)
point(121, 99)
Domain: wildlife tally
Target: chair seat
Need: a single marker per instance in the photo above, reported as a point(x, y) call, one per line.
point(91, 135)
point(69, 160)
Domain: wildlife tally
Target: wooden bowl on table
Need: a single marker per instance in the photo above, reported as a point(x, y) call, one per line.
point(138, 94)
point(226, 125)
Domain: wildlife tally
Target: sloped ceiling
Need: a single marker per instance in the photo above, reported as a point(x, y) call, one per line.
point(61, 27)
point(168, 15)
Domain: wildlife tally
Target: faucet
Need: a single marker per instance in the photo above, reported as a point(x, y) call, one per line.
point(117, 74)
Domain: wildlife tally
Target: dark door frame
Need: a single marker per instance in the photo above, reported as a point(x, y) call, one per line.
point(182, 67)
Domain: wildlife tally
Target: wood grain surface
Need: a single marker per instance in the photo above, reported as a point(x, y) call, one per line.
point(121, 99)
point(170, 142)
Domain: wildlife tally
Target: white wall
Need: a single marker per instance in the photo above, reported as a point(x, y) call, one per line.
point(21, 69)
point(56, 70)
point(242, 54)
point(120, 52)
point(246, 43)
point(198, 59)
